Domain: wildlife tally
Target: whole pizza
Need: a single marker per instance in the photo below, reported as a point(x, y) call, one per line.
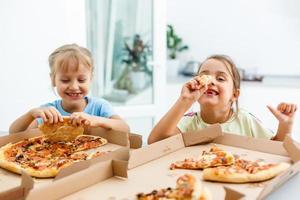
point(60, 146)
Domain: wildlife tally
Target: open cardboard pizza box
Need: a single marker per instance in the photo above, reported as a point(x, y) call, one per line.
point(116, 140)
point(88, 172)
point(149, 166)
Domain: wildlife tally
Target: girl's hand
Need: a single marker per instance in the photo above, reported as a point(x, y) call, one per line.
point(193, 89)
point(48, 114)
point(285, 112)
point(81, 118)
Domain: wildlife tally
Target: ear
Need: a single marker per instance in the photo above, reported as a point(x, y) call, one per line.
point(236, 95)
point(52, 80)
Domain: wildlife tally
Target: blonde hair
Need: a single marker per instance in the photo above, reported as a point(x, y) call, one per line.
point(232, 68)
point(69, 55)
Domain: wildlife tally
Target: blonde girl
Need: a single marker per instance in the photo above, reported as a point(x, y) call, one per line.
point(71, 72)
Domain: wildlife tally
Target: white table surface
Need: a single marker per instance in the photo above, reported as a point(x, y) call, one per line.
point(289, 190)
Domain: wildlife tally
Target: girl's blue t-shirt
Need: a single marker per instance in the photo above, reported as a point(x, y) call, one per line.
point(95, 106)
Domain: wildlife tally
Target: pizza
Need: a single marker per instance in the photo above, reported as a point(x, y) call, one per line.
point(244, 171)
point(42, 157)
point(61, 131)
point(187, 188)
point(214, 157)
point(205, 79)
point(222, 166)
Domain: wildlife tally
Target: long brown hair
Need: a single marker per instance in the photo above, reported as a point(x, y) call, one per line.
point(231, 66)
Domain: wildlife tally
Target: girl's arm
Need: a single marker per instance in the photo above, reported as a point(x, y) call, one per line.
point(27, 121)
point(190, 93)
point(166, 127)
point(285, 114)
point(114, 122)
point(22, 123)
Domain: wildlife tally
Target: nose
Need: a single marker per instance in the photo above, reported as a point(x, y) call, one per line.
point(212, 82)
point(74, 85)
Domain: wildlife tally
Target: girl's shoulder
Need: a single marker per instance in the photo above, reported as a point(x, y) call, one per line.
point(246, 115)
point(97, 101)
point(55, 103)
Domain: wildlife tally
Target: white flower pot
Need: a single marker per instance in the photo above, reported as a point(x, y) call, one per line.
point(138, 79)
point(173, 67)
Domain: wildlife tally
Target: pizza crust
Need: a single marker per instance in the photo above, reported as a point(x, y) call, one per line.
point(7, 164)
point(225, 174)
point(61, 131)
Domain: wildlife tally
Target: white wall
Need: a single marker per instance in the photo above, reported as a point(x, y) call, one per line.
point(30, 31)
point(256, 34)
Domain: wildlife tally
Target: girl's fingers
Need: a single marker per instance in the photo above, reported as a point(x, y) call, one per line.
point(54, 114)
point(275, 112)
point(288, 109)
point(295, 107)
point(60, 117)
point(44, 118)
point(49, 116)
point(87, 123)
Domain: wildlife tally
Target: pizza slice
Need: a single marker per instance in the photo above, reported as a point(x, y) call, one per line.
point(214, 157)
point(244, 171)
point(86, 142)
point(97, 154)
point(61, 131)
point(187, 188)
point(205, 79)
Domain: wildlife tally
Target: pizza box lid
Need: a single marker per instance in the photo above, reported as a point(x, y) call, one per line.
point(87, 173)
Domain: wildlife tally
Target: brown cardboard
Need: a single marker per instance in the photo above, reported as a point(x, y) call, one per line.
point(18, 192)
point(135, 141)
point(149, 166)
point(116, 139)
point(231, 194)
point(155, 150)
point(114, 164)
point(262, 145)
point(207, 135)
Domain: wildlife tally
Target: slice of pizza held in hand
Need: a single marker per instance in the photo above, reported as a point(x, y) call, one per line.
point(205, 79)
point(61, 131)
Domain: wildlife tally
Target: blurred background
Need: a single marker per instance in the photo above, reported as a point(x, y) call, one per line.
point(144, 50)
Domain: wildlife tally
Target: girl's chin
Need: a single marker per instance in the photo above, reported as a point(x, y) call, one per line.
point(208, 100)
point(70, 98)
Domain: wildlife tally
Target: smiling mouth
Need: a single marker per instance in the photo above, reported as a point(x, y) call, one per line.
point(211, 92)
point(74, 95)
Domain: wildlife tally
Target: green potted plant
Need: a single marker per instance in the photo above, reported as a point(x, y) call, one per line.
point(174, 47)
point(174, 43)
point(136, 74)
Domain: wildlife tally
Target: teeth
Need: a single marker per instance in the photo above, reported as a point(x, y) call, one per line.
point(74, 94)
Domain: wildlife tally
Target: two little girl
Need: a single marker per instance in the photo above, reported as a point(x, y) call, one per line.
point(71, 69)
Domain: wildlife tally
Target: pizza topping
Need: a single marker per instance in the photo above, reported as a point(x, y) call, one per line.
point(186, 189)
point(214, 157)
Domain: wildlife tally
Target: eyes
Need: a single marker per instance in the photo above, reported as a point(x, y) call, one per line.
point(68, 80)
point(221, 78)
